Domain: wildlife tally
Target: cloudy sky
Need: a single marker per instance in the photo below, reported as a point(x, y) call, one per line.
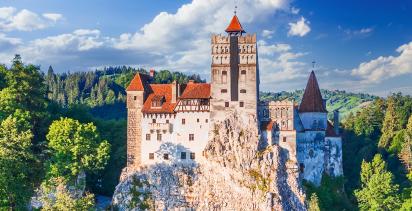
point(359, 46)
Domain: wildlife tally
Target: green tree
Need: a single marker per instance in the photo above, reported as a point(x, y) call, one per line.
point(377, 189)
point(313, 203)
point(63, 199)
point(16, 159)
point(75, 148)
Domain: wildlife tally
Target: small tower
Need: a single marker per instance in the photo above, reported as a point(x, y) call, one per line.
point(234, 72)
point(312, 109)
point(136, 95)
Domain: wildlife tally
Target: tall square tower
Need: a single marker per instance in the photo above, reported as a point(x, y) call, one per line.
point(234, 73)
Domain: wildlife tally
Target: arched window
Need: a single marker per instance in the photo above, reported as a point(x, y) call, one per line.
point(243, 76)
point(224, 77)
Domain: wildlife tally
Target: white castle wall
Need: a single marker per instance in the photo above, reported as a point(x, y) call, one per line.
point(314, 120)
point(176, 137)
point(335, 167)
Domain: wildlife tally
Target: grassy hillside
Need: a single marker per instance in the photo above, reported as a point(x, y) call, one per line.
point(346, 102)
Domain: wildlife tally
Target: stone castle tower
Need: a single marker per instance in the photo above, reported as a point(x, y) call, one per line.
point(234, 73)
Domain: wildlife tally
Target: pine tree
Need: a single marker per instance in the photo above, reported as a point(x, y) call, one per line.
point(390, 124)
point(406, 151)
point(378, 192)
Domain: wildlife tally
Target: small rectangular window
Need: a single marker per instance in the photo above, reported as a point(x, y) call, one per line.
point(226, 104)
point(198, 120)
point(243, 91)
point(241, 104)
point(159, 136)
point(167, 121)
point(206, 120)
point(166, 156)
point(148, 137)
point(192, 155)
point(183, 121)
point(223, 91)
point(151, 156)
point(153, 120)
point(284, 139)
point(191, 137)
point(134, 97)
point(183, 155)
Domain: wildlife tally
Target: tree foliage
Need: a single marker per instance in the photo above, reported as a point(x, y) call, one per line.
point(75, 147)
point(378, 192)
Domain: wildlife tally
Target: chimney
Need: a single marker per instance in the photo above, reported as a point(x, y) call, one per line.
point(336, 121)
point(175, 91)
point(152, 73)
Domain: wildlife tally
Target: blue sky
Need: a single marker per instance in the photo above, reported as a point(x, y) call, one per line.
point(359, 46)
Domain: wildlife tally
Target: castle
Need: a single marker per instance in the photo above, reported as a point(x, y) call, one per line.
point(170, 123)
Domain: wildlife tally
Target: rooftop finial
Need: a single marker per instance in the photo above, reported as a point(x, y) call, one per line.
point(235, 7)
point(313, 65)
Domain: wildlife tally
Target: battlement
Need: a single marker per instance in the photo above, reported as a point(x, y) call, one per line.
point(225, 39)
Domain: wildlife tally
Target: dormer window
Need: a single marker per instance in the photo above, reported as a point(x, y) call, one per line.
point(158, 101)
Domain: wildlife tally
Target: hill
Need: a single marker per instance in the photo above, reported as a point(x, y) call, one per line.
point(346, 102)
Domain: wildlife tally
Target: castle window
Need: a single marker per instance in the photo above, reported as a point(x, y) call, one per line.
point(206, 120)
point(241, 104)
point(183, 121)
point(157, 101)
point(191, 137)
point(223, 91)
point(159, 136)
point(224, 77)
point(192, 155)
point(243, 91)
point(183, 155)
point(215, 75)
point(134, 97)
point(153, 120)
point(243, 76)
point(166, 156)
point(167, 121)
point(284, 138)
point(148, 137)
point(226, 104)
point(301, 167)
point(151, 156)
point(198, 120)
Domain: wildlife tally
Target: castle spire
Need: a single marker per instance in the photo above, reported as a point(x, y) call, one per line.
point(235, 27)
point(312, 98)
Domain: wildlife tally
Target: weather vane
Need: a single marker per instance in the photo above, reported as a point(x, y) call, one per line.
point(313, 64)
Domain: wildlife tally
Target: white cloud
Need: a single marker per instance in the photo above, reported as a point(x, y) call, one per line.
point(25, 20)
point(300, 28)
point(357, 33)
point(294, 10)
point(267, 33)
point(385, 67)
point(53, 16)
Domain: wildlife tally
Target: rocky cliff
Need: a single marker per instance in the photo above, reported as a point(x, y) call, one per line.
point(234, 174)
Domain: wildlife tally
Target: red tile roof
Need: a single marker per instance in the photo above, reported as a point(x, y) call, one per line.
point(330, 130)
point(139, 83)
point(312, 98)
point(196, 91)
point(234, 25)
point(159, 90)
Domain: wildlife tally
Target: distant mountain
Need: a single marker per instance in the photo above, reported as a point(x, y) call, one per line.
point(346, 102)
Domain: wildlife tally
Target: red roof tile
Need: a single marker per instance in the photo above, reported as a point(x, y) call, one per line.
point(139, 83)
point(312, 98)
point(330, 130)
point(234, 25)
point(159, 90)
point(196, 91)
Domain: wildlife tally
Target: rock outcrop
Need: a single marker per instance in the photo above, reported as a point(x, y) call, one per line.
point(235, 174)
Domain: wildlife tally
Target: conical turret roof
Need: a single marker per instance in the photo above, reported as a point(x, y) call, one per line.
point(312, 98)
point(234, 25)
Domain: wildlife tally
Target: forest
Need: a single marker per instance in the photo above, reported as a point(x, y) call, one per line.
point(60, 130)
